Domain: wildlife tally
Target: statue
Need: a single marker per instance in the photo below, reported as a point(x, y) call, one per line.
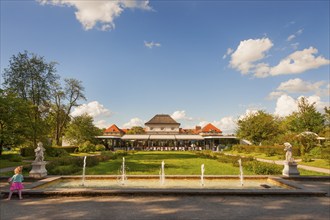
point(288, 154)
point(39, 152)
point(290, 166)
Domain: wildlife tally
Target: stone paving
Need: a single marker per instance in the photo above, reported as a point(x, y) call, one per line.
point(171, 207)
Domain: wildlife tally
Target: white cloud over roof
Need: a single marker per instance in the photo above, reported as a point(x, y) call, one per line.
point(134, 122)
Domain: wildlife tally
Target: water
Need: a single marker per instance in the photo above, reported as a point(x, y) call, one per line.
point(202, 174)
point(162, 173)
point(241, 171)
point(123, 176)
point(83, 175)
point(153, 183)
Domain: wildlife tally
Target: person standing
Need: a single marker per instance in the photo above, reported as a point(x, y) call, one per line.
point(16, 182)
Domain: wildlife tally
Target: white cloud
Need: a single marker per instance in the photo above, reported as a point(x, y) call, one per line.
point(94, 109)
point(298, 85)
point(227, 125)
point(291, 37)
point(134, 122)
point(151, 44)
point(93, 13)
point(248, 112)
point(101, 124)
point(248, 52)
point(298, 62)
point(181, 115)
point(295, 45)
point(276, 94)
point(229, 51)
point(285, 105)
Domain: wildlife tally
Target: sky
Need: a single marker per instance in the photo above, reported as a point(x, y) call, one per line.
point(198, 61)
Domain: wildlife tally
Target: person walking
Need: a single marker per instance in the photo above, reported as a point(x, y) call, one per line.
point(16, 182)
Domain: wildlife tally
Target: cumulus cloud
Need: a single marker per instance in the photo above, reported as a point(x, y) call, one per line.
point(248, 52)
point(94, 109)
point(298, 62)
point(246, 59)
point(181, 115)
point(93, 13)
point(248, 112)
point(276, 94)
point(101, 124)
point(151, 44)
point(286, 104)
point(298, 85)
point(134, 122)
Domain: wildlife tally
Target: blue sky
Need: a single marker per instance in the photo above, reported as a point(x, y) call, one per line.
point(199, 61)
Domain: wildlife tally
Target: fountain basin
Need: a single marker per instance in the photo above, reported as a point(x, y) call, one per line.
point(173, 185)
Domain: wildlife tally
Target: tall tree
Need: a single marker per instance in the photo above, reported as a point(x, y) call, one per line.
point(307, 118)
point(258, 127)
point(64, 101)
point(32, 79)
point(81, 129)
point(13, 120)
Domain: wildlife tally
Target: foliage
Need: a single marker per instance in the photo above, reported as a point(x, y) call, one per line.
point(258, 127)
point(307, 140)
point(307, 118)
point(268, 150)
point(82, 129)
point(31, 78)
point(136, 130)
point(99, 147)
point(64, 100)
point(261, 168)
point(13, 120)
point(86, 147)
point(27, 151)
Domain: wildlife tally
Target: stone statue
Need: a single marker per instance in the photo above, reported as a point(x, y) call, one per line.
point(39, 152)
point(288, 154)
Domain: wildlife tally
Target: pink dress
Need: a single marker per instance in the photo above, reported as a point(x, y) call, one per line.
point(16, 182)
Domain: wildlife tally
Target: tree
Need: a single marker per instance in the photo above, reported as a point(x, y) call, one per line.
point(13, 120)
point(307, 140)
point(32, 78)
point(307, 118)
point(81, 129)
point(258, 127)
point(136, 130)
point(64, 101)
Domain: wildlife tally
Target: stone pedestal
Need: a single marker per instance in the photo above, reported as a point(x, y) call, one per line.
point(38, 170)
point(290, 169)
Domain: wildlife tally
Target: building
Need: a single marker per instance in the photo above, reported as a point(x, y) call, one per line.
point(162, 132)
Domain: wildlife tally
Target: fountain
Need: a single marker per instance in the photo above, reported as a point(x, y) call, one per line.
point(83, 175)
point(241, 171)
point(162, 174)
point(202, 174)
point(123, 177)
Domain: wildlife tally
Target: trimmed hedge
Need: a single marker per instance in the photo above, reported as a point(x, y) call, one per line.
point(268, 150)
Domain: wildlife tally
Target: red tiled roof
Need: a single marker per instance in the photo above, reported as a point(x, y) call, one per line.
point(113, 129)
point(209, 128)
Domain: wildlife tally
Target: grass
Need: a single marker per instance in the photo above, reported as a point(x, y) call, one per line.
point(176, 163)
point(317, 163)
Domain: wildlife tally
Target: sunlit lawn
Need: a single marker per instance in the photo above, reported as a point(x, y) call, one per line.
point(176, 163)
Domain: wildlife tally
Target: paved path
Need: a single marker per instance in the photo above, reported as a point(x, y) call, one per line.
point(170, 207)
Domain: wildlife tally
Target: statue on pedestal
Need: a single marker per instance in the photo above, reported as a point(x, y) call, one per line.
point(290, 166)
point(39, 165)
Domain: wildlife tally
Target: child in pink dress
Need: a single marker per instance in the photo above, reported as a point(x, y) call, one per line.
point(16, 182)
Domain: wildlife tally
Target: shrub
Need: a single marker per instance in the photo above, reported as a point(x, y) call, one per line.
point(63, 170)
point(99, 147)
point(55, 152)
point(15, 158)
point(260, 168)
point(27, 151)
point(86, 147)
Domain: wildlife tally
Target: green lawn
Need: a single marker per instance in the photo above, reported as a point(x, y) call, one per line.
point(176, 163)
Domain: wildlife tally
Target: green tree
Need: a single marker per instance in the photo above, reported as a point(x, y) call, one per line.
point(307, 118)
point(258, 127)
point(307, 141)
point(64, 100)
point(136, 130)
point(82, 129)
point(13, 120)
point(32, 78)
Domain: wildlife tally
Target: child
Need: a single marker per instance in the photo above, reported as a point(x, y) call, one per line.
point(16, 182)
